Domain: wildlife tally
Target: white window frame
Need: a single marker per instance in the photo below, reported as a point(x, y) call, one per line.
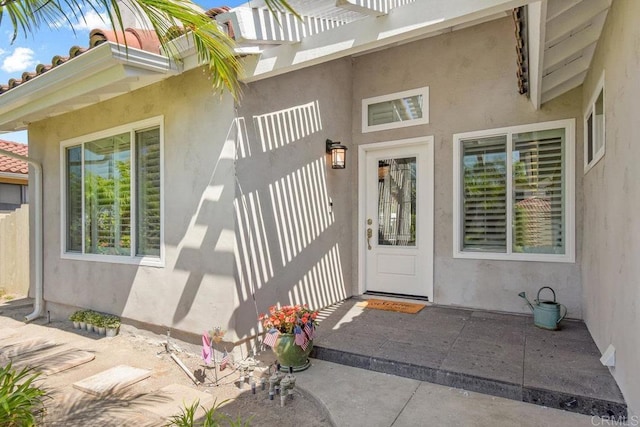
point(424, 91)
point(569, 170)
point(152, 261)
point(590, 109)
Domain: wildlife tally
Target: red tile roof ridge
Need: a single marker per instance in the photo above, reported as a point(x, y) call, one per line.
point(9, 164)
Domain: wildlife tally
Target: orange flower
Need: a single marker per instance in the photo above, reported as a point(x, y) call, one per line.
point(287, 317)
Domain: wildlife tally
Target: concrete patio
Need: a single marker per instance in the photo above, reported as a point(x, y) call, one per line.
point(498, 354)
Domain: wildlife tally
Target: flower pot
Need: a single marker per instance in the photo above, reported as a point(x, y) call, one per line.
point(76, 325)
point(83, 325)
point(289, 354)
point(112, 332)
point(102, 330)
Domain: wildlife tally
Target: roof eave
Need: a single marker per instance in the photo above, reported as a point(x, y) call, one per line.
point(101, 73)
point(410, 22)
point(14, 175)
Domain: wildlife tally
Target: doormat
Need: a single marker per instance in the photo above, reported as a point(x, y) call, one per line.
point(387, 305)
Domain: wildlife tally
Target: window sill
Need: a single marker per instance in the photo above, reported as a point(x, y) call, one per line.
point(598, 156)
point(115, 259)
point(515, 257)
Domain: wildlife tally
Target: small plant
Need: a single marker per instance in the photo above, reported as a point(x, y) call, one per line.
point(21, 402)
point(100, 320)
point(78, 316)
point(93, 317)
point(111, 322)
point(212, 417)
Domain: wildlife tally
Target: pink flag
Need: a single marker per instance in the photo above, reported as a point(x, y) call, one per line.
point(271, 337)
point(224, 361)
point(206, 348)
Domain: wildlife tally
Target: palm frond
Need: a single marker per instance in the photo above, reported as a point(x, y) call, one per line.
point(213, 46)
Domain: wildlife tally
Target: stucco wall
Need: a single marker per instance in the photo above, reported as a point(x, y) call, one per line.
point(471, 76)
point(278, 229)
point(610, 267)
point(196, 290)
point(299, 207)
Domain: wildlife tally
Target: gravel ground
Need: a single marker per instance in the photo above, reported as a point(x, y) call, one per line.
point(147, 403)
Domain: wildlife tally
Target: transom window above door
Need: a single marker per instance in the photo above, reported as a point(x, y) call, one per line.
point(514, 193)
point(112, 195)
point(401, 109)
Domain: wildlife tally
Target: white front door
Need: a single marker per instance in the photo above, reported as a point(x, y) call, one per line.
point(397, 217)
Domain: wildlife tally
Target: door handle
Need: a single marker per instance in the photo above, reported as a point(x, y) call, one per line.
point(369, 235)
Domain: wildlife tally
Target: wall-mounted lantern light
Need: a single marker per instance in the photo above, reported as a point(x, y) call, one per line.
point(338, 154)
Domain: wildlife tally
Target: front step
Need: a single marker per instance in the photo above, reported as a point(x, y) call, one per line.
point(549, 398)
point(494, 353)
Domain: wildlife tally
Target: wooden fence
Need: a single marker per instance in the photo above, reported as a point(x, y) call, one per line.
point(14, 251)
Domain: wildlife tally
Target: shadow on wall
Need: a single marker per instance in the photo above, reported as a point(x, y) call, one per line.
point(288, 252)
point(273, 237)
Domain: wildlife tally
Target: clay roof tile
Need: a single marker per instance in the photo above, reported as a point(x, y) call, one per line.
point(9, 164)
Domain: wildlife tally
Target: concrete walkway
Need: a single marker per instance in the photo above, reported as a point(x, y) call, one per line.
point(358, 398)
point(494, 353)
point(350, 396)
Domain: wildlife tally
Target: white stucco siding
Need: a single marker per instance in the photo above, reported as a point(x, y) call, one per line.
point(300, 207)
point(196, 289)
point(471, 76)
point(610, 267)
point(273, 224)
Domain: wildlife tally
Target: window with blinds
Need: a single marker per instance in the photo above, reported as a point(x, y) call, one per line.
point(515, 185)
point(485, 194)
point(396, 110)
point(538, 192)
point(104, 215)
point(148, 192)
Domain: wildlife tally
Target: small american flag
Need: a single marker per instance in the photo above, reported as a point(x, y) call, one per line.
point(304, 344)
point(309, 329)
point(301, 338)
point(271, 337)
point(224, 361)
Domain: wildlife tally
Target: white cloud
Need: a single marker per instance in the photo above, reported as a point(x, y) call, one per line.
point(91, 20)
point(2, 52)
point(20, 60)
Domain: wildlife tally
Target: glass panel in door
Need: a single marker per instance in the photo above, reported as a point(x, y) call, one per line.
point(397, 202)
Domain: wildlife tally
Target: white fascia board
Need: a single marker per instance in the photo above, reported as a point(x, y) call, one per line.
point(410, 21)
point(536, 28)
point(12, 175)
point(97, 68)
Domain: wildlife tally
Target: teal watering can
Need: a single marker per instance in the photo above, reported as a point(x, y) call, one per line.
point(546, 314)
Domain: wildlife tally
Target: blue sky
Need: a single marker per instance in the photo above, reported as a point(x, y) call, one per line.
point(28, 51)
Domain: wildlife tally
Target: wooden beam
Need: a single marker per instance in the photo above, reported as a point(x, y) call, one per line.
point(574, 18)
point(577, 42)
point(365, 7)
point(409, 21)
point(536, 22)
point(558, 7)
point(572, 83)
point(569, 71)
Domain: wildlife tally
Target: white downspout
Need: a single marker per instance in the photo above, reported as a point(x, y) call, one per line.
point(38, 306)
